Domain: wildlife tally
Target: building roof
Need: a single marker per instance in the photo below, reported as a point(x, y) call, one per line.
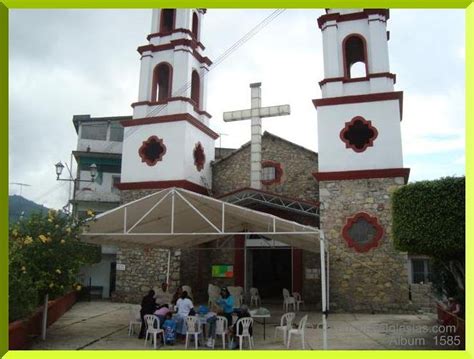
point(266, 134)
point(78, 119)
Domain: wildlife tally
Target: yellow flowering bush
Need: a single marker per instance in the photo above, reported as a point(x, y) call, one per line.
point(46, 255)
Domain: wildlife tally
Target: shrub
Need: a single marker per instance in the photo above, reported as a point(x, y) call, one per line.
point(45, 255)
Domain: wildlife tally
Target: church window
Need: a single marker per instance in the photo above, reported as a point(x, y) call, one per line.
point(199, 156)
point(195, 88)
point(358, 134)
point(362, 232)
point(162, 78)
point(195, 26)
point(271, 172)
point(167, 20)
point(420, 270)
point(94, 131)
point(152, 150)
point(355, 56)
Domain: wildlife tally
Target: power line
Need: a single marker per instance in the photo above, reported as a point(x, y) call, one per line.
point(256, 29)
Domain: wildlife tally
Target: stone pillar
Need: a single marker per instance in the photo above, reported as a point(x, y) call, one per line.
point(374, 280)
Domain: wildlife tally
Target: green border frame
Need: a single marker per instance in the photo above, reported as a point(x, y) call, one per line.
point(18, 4)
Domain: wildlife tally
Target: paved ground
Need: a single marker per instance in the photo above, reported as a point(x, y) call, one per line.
point(104, 325)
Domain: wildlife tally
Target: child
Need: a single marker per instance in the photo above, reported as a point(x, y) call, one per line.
point(169, 326)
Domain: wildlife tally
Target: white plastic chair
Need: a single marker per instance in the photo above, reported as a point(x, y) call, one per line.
point(240, 294)
point(255, 297)
point(285, 325)
point(153, 328)
point(244, 324)
point(193, 329)
point(288, 300)
point(221, 328)
point(214, 294)
point(299, 331)
point(236, 293)
point(298, 300)
point(134, 319)
point(188, 289)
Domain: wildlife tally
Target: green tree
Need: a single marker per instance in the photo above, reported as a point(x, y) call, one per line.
point(429, 219)
point(46, 253)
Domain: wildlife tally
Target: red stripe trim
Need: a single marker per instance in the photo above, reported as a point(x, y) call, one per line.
point(344, 100)
point(353, 16)
point(174, 43)
point(174, 31)
point(172, 118)
point(162, 184)
point(170, 99)
point(362, 174)
point(359, 79)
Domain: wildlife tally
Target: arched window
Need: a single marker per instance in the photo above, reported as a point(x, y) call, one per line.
point(195, 26)
point(162, 77)
point(167, 20)
point(355, 53)
point(195, 88)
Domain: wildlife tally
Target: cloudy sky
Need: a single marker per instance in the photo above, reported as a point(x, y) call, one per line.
point(71, 62)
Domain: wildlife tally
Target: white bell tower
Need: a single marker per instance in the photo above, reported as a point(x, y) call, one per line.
point(168, 141)
point(360, 161)
point(359, 113)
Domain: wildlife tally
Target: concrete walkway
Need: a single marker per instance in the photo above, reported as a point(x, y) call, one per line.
point(104, 325)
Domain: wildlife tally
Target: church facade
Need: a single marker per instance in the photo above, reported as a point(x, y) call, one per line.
point(344, 189)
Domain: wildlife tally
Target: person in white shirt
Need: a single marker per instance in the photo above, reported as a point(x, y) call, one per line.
point(162, 295)
point(184, 305)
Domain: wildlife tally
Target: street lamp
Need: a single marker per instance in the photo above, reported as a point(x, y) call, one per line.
point(59, 169)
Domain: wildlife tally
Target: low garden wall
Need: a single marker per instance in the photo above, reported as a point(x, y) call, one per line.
point(22, 331)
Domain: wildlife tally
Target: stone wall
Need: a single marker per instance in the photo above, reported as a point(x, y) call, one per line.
point(422, 297)
point(374, 281)
point(298, 164)
point(145, 268)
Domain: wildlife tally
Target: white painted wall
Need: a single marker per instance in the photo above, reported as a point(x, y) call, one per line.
point(99, 274)
point(178, 162)
point(386, 151)
point(105, 186)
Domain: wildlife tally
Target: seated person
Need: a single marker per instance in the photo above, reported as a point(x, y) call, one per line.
point(233, 331)
point(162, 296)
point(226, 302)
point(161, 313)
point(148, 307)
point(169, 326)
point(184, 307)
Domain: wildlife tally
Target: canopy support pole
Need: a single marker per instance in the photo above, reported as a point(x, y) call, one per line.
point(168, 269)
point(323, 290)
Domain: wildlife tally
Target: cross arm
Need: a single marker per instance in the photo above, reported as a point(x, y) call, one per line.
point(261, 112)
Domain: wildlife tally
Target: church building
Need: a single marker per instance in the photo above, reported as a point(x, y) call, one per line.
point(344, 189)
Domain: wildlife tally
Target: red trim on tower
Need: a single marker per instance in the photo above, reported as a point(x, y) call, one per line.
point(162, 184)
point(297, 261)
point(142, 150)
point(353, 16)
point(358, 247)
point(359, 79)
point(161, 19)
point(239, 260)
point(175, 31)
point(172, 118)
point(348, 125)
point(154, 83)
point(362, 174)
point(174, 43)
point(170, 99)
point(373, 97)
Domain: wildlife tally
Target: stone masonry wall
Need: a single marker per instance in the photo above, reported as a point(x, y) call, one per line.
point(374, 281)
point(298, 164)
point(422, 297)
point(145, 268)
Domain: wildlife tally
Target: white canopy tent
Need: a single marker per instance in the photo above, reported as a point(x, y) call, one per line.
point(178, 218)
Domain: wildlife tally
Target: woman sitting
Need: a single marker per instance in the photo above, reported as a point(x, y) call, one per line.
point(226, 303)
point(148, 307)
point(233, 331)
point(184, 306)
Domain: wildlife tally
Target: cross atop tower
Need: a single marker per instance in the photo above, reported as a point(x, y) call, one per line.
point(255, 115)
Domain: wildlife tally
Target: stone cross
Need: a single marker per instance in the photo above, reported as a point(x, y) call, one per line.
point(255, 114)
